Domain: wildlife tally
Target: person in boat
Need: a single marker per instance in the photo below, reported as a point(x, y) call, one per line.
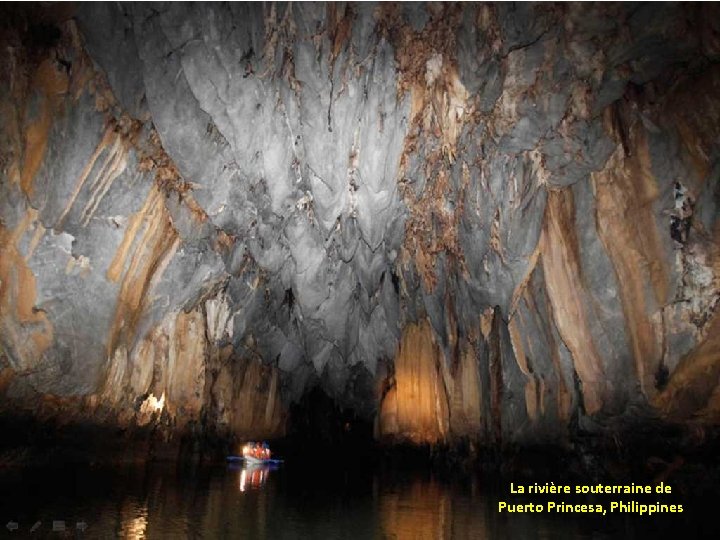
point(256, 450)
point(265, 451)
point(249, 450)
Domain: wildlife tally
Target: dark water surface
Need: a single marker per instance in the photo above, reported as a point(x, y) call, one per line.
point(297, 501)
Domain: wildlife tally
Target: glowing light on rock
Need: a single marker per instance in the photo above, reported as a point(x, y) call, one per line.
point(160, 404)
point(152, 405)
point(134, 527)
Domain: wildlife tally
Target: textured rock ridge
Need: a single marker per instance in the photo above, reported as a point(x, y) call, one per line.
point(465, 221)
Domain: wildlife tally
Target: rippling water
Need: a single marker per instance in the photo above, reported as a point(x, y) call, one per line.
point(292, 501)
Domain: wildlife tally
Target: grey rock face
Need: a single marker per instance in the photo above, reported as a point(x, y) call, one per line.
point(333, 173)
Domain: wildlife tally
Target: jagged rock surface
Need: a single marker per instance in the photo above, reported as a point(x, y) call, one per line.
point(468, 220)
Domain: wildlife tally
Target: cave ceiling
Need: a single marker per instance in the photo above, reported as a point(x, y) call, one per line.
point(300, 183)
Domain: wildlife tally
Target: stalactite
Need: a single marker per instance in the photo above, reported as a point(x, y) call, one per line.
point(28, 331)
point(416, 408)
point(625, 187)
point(496, 380)
point(153, 249)
point(568, 298)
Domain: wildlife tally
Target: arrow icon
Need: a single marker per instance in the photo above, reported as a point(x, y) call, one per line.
point(12, 526)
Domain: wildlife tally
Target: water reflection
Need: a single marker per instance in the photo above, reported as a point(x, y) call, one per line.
point(417, 511)
point(134, 522)
point(425, 508)
point(297, 501)
point(253, 476)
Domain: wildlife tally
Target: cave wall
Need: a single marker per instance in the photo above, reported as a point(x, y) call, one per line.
point(473, 221)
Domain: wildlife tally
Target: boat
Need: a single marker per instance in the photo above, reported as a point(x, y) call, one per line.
point(250, 460)
point(255, 454)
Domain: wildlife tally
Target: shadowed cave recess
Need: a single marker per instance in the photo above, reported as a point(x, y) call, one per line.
point(475, 229)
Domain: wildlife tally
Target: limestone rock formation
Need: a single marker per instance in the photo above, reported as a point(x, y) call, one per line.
point(483, 221)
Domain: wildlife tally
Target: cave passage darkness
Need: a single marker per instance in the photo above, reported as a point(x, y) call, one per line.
point(484, 234)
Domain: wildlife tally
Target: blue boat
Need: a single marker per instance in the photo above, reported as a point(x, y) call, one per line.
point(253, 460)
